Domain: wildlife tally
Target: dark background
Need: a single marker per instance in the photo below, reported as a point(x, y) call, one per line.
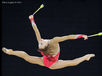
point(57, 18)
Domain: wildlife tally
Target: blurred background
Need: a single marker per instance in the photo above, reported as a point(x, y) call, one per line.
point(57, 18)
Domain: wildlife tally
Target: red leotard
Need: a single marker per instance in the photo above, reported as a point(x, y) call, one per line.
point(48, 60)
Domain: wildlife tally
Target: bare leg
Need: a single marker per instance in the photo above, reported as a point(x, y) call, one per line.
point(25, 56)
point(66, 63)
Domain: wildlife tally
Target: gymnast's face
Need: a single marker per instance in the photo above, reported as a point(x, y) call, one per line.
point(43, 43)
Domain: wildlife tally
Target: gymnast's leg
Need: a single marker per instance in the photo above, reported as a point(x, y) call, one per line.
point(25, 56)
point(66, 63)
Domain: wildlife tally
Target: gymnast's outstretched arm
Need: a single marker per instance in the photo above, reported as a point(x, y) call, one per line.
point(69, 37)
point(35, 28)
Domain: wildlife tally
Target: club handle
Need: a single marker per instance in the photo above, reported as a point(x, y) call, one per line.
point(36, 11)
point(92, 35)
point(41, 6)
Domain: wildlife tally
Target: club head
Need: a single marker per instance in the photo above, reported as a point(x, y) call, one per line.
point(42, 6)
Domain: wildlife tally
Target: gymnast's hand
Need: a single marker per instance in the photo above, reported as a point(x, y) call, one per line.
point(31, 16)
point(85, 37)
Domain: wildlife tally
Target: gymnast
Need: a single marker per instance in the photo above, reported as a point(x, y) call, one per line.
point(50, 51)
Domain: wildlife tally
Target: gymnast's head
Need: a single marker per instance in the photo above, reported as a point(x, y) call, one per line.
point(43, 44)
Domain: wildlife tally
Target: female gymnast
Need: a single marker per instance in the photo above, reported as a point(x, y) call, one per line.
point(50, 50)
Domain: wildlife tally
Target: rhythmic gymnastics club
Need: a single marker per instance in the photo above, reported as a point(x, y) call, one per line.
point(99, 34)
point(41, 6)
